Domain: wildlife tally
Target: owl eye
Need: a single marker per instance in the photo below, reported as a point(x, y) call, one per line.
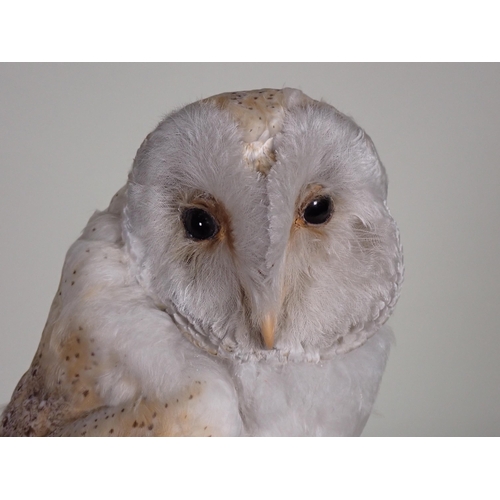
point(199, 224)
point(319, 210)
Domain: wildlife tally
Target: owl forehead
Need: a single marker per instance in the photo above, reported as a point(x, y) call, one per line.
point(259, 115)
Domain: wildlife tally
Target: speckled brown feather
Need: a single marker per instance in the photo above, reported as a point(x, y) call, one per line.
point(142, 418)
point(58, 387)
point(259, 114)
point(57, 396)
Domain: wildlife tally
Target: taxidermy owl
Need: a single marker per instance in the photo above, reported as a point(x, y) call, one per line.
point(237, 285)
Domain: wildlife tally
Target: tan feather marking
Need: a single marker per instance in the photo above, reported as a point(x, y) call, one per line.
point(60, 384)
point(259, 115)
point(81, 371)
point(145, 418)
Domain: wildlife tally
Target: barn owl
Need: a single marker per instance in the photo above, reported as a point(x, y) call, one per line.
point(237, 285)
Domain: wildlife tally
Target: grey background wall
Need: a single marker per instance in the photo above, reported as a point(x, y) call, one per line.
point(69, 132)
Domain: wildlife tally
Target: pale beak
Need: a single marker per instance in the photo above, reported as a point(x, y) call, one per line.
point(268, 327)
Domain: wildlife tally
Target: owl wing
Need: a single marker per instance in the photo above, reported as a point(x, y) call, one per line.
point(110, 361)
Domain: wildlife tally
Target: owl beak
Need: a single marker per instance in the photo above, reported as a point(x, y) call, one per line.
point(267, 329)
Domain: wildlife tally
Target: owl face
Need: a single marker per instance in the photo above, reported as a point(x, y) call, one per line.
point(260, 217)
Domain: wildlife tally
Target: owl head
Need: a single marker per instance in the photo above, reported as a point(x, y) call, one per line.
point(258, 220)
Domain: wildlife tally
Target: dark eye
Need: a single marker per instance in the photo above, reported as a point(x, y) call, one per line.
point(319, 210)
point(200, 225)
